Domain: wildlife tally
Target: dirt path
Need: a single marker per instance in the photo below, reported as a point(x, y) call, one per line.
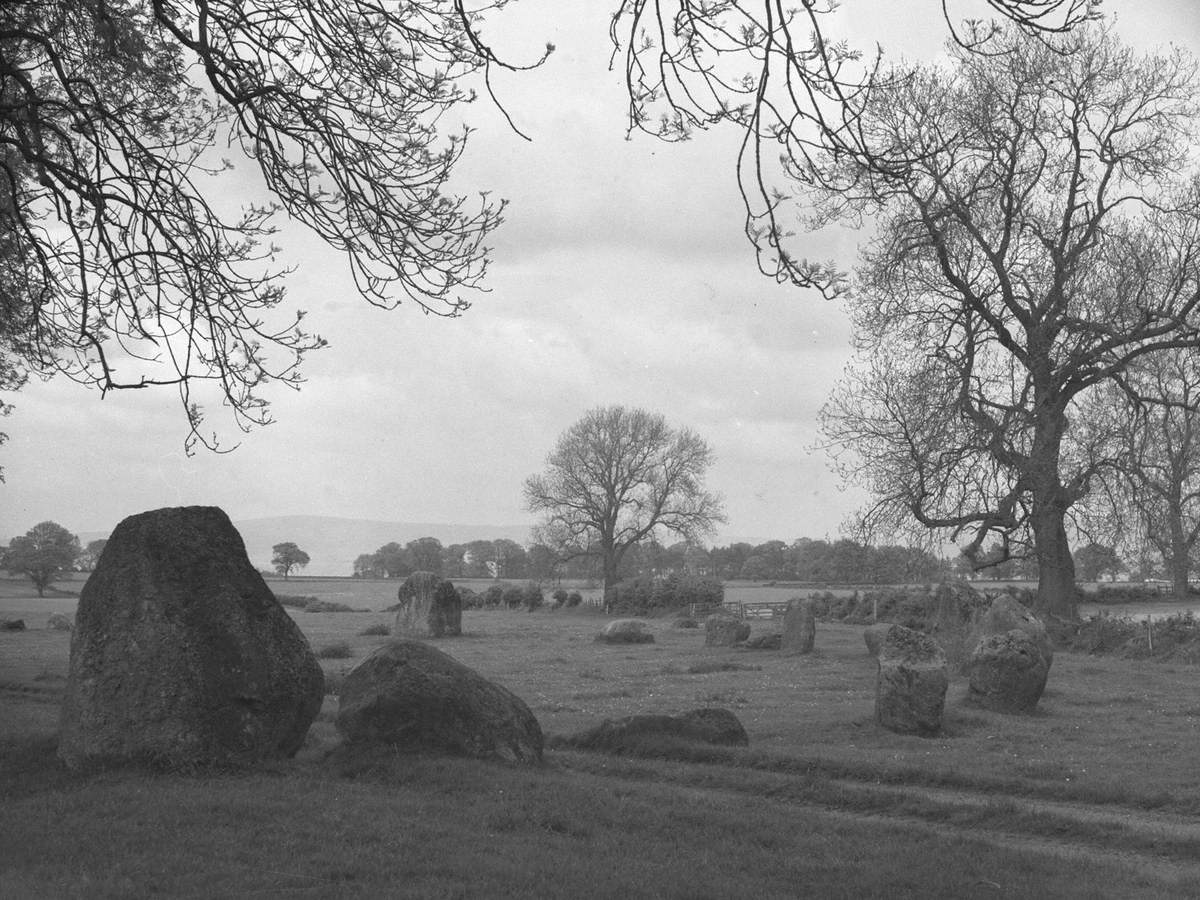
point(1160, 846)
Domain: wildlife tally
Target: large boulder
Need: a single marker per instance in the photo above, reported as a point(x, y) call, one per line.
point(1007, 672)
point(181, 655)
point(725, 630)
point(59, 622)
point(430, 606)
point(1007, 613)
point(625, 631)
point(412, 696)
point(910, 691)
point(709, 725)
point(799, 626)
point(874, 635)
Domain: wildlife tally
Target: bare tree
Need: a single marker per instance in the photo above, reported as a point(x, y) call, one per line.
point(1042, 236)
point(770, 69)
point(618, 476)
point(121, 269)
point(1152, 491)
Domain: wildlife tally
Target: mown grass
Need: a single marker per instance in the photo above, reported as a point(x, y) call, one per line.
point(792, 815)
point(455, 828)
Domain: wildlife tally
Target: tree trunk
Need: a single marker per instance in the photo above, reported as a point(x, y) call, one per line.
point(1180, 562)
point(1056, 568)
point(609, 579)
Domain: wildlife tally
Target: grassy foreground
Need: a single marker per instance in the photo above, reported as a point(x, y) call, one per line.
point(1094, 796)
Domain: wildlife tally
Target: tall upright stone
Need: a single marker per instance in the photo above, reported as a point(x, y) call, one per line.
point(430, 606)
point(181, 655)
point(910, 691)
point(799, 626)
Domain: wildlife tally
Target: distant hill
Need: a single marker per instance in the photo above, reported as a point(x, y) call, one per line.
point(334, 543)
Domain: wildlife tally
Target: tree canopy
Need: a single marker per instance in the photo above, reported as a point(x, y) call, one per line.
point(1038, 235)
point(43, 553)
point(122, 267)
point(288, 556)
point(615, 478)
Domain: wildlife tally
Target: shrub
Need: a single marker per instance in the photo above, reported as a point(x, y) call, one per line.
point(379, 629)
point(295, 601)
point(946, 607)
point(574, 598)
point(514, 596)
point(327, 606)
point(560, 597)
point(470, 599)
point(1131, 593)
point(338, 650)
point(493, 596)
point(532, 597)
point(644, 595)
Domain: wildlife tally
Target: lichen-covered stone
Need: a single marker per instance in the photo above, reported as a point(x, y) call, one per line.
point(724, 630)
point(181, 655)
point(910, 692)
point(625, 631)
point(429, 606)
point(1007, 613)
point(1007, 672)
point(412, 696)
point(59, 622)
point(799, 627)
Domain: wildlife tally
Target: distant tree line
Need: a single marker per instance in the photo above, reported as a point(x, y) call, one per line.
point(815, 561)
point(819, 561)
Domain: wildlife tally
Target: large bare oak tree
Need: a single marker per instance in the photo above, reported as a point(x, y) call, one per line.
point(619, 476)
point(1039, 235)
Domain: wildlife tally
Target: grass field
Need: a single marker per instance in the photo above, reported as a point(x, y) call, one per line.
point(1094, 796)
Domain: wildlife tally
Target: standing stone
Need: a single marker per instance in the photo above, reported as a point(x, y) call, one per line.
point(799, 626)
point(910, 692)
point(414, 697)
point(1007, 672)
point(874, 635)
point(724, 630)
point(181, 655)
point(1007, 613)
point(430, 606)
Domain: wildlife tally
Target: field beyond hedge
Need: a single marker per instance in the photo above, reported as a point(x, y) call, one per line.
point(1093, 796)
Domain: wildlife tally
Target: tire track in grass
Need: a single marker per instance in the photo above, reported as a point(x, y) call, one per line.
point(31, 692)
point(1160, 846)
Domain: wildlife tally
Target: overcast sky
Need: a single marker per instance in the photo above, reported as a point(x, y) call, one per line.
point(620, 276)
